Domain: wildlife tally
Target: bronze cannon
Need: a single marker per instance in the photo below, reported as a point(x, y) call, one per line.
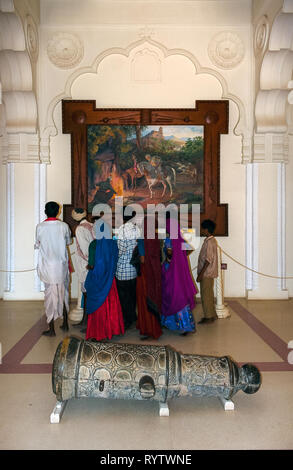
point(144, 372)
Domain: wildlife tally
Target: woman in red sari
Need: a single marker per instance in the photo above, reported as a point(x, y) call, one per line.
point(103, 307)
point(148, 287)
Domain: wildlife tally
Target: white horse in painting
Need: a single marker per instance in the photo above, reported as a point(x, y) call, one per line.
point(158, 174)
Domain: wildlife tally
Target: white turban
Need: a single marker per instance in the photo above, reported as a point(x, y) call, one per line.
point(78, 214)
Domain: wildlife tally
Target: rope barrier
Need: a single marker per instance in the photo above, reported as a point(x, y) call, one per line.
point(253, 270)
point(24, 271)
point(192, 268)
point(246, 267)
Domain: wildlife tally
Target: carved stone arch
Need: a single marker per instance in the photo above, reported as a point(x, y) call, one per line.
point(240, 129)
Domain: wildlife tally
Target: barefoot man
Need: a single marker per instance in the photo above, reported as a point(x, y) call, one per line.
point(52, 238)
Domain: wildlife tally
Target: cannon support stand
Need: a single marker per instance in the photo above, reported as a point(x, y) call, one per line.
point(57, 413)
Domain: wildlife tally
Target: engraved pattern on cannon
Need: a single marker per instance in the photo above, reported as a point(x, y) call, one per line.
point(115, 370)
point(110, 370)
point(206, 376)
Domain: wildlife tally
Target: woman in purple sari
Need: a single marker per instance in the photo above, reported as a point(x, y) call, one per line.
point(178, 289)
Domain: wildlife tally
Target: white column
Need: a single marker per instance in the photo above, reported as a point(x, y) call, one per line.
point(40, 201)
point(281, 226)
point(37, 282)
point(251, 225)
point(9, 287)
point(21, 225)
point(267, 232)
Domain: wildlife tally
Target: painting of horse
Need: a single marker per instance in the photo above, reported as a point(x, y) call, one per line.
point(145, 164)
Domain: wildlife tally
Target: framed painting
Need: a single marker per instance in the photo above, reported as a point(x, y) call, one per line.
point(147, 156)
point(145, 164)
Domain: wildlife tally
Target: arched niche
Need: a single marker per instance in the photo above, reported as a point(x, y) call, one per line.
point(177, 79)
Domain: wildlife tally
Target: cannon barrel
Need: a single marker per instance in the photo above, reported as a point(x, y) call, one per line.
point(130, 371)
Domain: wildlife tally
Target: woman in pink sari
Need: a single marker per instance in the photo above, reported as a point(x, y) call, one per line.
point(178, 289)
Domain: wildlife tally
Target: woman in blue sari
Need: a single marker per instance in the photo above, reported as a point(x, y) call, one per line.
point(103, 307)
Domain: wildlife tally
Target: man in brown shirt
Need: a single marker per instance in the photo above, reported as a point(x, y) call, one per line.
point(207, 271)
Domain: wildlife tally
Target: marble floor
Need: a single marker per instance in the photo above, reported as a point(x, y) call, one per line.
point(257, 332)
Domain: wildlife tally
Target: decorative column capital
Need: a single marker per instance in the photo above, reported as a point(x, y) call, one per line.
point(20, 148)
point(270, 148)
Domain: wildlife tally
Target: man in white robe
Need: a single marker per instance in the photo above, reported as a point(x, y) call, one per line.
point(83, 236)
point(52, 238)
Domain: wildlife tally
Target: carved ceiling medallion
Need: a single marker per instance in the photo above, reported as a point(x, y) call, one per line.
point(65, 50)
point(226, 50)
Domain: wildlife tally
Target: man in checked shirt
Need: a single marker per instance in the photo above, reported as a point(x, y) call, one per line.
point(126, 273)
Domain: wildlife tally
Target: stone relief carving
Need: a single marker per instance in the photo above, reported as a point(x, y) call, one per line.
point(226, 50)
point(146, 33)
point(65, 50)
point(261, 35)
point(31, 34)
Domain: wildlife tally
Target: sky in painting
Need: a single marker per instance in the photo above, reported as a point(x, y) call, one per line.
point(180, 132)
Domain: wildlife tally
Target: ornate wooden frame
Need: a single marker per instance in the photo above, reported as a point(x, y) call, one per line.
point(213, 115)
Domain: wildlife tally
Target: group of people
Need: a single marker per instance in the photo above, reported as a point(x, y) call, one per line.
point(125, 279)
